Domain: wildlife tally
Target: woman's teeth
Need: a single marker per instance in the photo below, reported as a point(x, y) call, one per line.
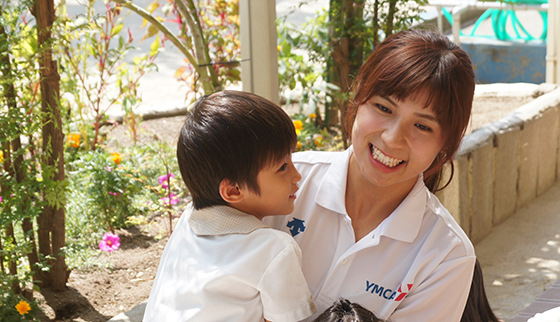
point(386, 160)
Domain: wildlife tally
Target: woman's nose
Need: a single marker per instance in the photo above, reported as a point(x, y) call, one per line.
point(394, 135)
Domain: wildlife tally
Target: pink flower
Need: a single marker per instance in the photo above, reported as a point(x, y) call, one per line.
point(0, 198)
point(110, 242)
point(130, 38)
point(164, 178)
point(173, 201)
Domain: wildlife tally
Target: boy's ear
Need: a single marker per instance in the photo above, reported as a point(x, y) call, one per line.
point(230, 192)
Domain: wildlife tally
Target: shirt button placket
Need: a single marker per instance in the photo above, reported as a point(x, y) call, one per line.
point(334, 282)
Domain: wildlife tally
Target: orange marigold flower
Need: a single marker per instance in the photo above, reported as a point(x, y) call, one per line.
point(312, 115)
point(73, 140)
point(23, 307)
point(298, 125)
point(298, 144)
point(318, 140)
point(117, 158)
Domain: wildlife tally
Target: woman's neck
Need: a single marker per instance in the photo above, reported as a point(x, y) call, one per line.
point(368, 204)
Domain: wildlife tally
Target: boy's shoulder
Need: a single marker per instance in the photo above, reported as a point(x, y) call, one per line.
point(314, 157)
point(272, 238)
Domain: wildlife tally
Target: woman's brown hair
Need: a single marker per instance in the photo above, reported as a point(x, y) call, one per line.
point(418, 61)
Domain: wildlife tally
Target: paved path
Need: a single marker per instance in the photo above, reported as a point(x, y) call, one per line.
point(521, 257)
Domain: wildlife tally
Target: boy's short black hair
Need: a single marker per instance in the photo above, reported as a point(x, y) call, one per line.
point(231, 135)
point(345, 311)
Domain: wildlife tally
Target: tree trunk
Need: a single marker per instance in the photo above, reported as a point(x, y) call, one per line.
point(347, 34)
point(375, 23)
point(4, 190)
point(10, 95)
point(390, 17)
point(51, 220)
point(2, 269)
point(13, 263)
point(356, 38)
point(336, 19)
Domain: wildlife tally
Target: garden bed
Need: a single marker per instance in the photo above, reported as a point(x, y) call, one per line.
point(99, 294)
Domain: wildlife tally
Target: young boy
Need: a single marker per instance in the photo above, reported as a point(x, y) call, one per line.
point(222, 263)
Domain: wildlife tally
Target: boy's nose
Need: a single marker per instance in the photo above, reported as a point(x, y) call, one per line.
point(296, 176)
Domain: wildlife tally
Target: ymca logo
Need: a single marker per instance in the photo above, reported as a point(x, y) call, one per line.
point(296, 226)
point(387, 293)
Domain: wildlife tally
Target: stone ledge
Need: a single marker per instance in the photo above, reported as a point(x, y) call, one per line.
point(520, 153)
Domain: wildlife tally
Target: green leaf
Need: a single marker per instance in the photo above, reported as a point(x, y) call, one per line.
point(117, 29)
point(286, 49)
point(154, 47)
point(121, 43)
point(152, 6)
point(292, 83)
point(152, 31)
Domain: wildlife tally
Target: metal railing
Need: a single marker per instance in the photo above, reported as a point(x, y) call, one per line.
point(460, 7)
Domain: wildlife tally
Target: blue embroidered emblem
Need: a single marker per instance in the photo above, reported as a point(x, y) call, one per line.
point(296, 226)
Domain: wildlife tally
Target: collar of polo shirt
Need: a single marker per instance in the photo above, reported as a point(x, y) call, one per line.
point(223, 220)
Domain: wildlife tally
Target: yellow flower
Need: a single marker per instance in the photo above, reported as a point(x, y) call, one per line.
point(298, 125)
point(318, 139)
point(312, 115)
point(23, 307)
point(1, 157)
point(298, 145)
point(279, 48)
point(117, 158)
point(73, 140)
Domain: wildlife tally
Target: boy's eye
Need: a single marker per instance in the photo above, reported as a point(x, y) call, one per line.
point(383, 108)
point(283, 167)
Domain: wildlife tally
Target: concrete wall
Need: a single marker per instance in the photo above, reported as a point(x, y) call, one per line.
point(505, 165)
point(497, 61)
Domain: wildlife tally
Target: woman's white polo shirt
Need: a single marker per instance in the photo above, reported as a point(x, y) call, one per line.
point(221, 264)
point(417, 265)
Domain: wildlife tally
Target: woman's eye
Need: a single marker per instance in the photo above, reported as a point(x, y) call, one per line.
point(283, 167)
point(383, 108)
point(423, 127)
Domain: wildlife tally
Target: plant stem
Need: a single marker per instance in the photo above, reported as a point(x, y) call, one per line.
point(208, 88)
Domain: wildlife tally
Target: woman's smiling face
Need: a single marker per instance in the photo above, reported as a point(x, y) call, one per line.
point(395, 141)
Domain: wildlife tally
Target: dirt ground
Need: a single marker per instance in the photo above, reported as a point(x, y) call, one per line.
point(98, 295)
point(101, 294)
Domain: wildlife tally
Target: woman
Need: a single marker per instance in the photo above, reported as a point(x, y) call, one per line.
point(368, 224)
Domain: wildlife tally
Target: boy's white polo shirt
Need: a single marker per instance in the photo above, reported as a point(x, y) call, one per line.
point(417, 265)
point(221, 264)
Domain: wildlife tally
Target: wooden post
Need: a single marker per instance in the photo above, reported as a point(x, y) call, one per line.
point(259, 53)
point(553, 43)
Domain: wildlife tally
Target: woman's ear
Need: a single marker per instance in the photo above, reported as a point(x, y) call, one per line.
point(230, 192)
